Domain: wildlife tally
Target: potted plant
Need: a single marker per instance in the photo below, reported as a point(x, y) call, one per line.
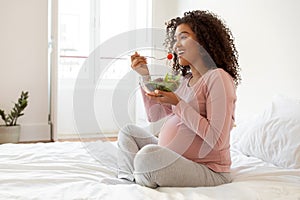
point(10, 131)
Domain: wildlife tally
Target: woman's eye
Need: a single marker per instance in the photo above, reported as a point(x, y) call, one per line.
point(183, 37)
point(180, 37)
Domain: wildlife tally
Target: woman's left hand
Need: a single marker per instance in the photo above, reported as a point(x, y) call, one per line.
point(163, 97)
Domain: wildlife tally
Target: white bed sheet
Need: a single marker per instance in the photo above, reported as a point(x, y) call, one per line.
point(71, 170)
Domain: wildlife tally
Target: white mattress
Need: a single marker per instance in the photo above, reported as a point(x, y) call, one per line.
point(73, 170)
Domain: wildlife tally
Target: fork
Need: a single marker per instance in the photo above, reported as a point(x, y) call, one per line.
point(118, 58)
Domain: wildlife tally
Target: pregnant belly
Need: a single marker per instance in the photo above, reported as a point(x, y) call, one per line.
point(179, 138)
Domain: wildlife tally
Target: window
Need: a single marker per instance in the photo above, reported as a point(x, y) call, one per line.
point(74, 36)
point(83, 26)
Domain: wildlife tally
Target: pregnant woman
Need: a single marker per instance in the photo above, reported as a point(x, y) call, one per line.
point(192, 148)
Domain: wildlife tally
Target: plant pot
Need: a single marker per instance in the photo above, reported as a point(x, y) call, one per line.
point(10, 134)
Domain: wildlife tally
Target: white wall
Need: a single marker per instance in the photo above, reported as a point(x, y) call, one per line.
point(23, 63)
point(267, 38)
point(162, 11)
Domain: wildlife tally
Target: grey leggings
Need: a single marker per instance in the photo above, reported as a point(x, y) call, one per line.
point(140, 159)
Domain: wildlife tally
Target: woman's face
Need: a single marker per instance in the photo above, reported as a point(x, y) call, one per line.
point(186, 45)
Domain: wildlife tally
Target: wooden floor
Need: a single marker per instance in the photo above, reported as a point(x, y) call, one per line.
point(88, 139)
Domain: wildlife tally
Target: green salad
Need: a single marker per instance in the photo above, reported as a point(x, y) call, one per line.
point(169, 83)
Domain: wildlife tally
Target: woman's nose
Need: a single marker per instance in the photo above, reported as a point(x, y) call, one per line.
point(175, 46)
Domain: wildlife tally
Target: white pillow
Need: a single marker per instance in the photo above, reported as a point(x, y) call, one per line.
point(286, 107)
point(274, 135)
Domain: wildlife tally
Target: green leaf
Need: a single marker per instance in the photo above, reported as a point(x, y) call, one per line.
point(16, 111)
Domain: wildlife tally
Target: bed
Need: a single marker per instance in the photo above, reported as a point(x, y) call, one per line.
point(265, 154)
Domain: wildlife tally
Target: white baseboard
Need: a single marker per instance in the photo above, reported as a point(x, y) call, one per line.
point(35, 132)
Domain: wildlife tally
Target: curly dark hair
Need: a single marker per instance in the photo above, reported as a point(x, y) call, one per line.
point(213, 35)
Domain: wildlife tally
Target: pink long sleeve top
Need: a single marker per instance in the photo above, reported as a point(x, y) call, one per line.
point(199, 126)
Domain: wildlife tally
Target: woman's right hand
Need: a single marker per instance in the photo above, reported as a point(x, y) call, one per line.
point(139, 64)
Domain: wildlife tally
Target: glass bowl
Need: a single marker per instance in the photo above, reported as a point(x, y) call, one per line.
point(163, 82)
